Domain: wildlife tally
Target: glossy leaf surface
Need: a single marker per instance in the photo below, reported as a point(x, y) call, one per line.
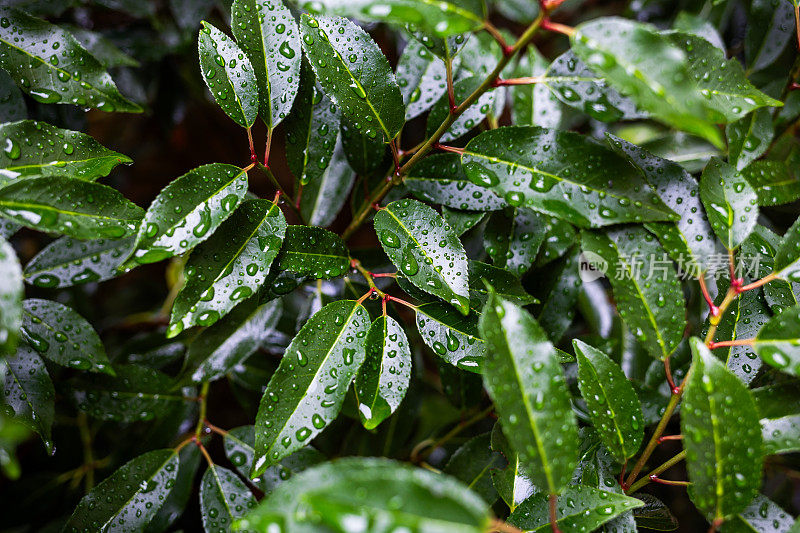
point(451, 335)
point(504, 283)
point(11, 293)
point(781, 435)
point(314, 251)
point(777, 341)
point(223, 498)
point(730, 202)
point(324, 197)
point(474, 463)
point(29, 392)
point(470, 118)
point(774, 182)
point(66, 262)
point(441, 179)
point(749, 138)
point(512, 239)
point(512, 482)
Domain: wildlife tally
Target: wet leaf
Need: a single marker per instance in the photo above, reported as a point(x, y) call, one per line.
point(67, 262)
point(749, 138)
point(75, 208)
point(525, 380)
point(382, 381)
point(512, 482)
point(724, 467)
point(440, 179)
point(761, 516)
point(654, 515)
point(470, 118)
point(12, 105)
point(175, 503)
point(230, 266)
point(778, 341)
point(228, 75)
point(781, 435)
point(354, 74)
point(29, 392)
point(452, 336)
point(558, 309)
point(774, 182)
point(504, 283)
point(535, 104)
point(223, 498)
point(462, 221)
point(474, 463)
point(364, 153)
point(730, 202)
point(306, 392)
point(324, 197)
point(49, 64)
point(11, 294)
point(512, 238)
point(561, 174)
point(422, 78)
point(425, 249)
point(769, 30)
point(103, 49)
point(313, 251)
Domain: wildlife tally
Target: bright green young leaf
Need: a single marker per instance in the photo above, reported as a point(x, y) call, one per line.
point(230, 266)
point(781, 435)
point(613, 405)
point(512, 482)
point(462, 221)
point(306, 392)
point(512, 238)
point(313, 251)
point(12, 105)
point(646, 287)
point(324, 197)
point(11, 293)
point(354, 74)
point(29, 392)
point(580, 508)
point(731, 203)
point(453, 336)
point(228, 75)
point(749, 137)
point(440, 179)
point(364, 154)
point(422, 78)
point(267, 32)
point(471, 117)
point(33, 148)
point(223, 498)
point(562, 174)
point(49, 64)
point(130, 497)
point(724, 466)
point(474, 463)
point(382, 381)
point(63, 336)
point(774, 182)
point(187, 211)
point(504, 283)
point(761, 516)
point(526, 382)
point(778, 341)
point(66, 262)
point(425, 249)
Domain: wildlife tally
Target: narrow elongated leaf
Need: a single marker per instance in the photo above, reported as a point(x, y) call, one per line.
point(228, 75)
point(562, 174)
point(749, 138)
point(761, 516)
point(175, 503)
point(230, 266)
point(442, 19)
point(473, 463)
point(525, 380)
point(580, 508)
point(313, 251)
point(66, 262)
point(768, 32)
point(65, 74)
point(774, 182)
point(440, 179)
point(130, 497)
point(325, 196)
point(646, 286)
point(223, 498)
point(558, 309)
point(512, 239)
point(778, 341)
point(29, 392)
point(272, 43)
point(425, 249)
point(354, 74)
point(535, 104)
point(724, 466)
point(512, 482)
point(307, 391)
point(781, 435)
point(187, 211)
point(361, 489)
point(11, 293)
point(33, 148)
point(12, 105)
point(422, 78)
point(61, 335)
point(613, 405)
point(731, 203)
point(382, 381)
point(462, 221)
point(76, 208)
point(504, 283)
point(470, 118)
point(231, 340)
point(453, 336)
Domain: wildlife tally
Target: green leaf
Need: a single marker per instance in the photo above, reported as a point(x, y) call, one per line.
point(228, 75)
point(749, 138)
point(362, 86)
point(774, 182)
point(769, 29)
point(562, 174)
point(33, 148)
point(421, 76)
point(187, 211)
point(524, 378)
point(654, 515)
point(778, 400)
point(724, 466)
point(261, 36)
point(453, 336)
point(11, 293)
point(474, 463)
point(314, 251)
point(363, 489)
point(306, 392)
point(440, 179)
point(470, 118)
point(103, 49)
point(382, 381)
point(787, 256)
point(445, 18)
point(648, 293)
point(66, 262)
point(731, 203)
point(230, 266)
point(425, 249)
point(231, 340)
point(63, 336)
point(130, 497)
point(778, 341)
point(781, 435)
point(364, 153)
point(699, 26)
point(136, 393)
point(690, 240)
point(613, 405)
point(650, 69)
point(223, 498)
point(503, 282)
point(512, 239)
point(76, 208)
point(311, 134)
point(324, 197)
point(558, 310)
point(512, 482)
point(12, 105)
point(535, 104)
point(175, 503)
point(580, 508)
point(49, 64)
point(29, 392)
point(462, 221)
point(761, 516)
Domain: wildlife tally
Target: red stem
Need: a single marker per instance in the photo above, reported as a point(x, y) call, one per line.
point(401, 301)
point(672, 387)
point(253, 156)
point(763, 281)
point(447, 148)
point(519, 81)
point(713, 309)
point(547, 24)
point(669, 437)
point(554, 513)
point(655, 479)
point(266, 150)
point(740, 342)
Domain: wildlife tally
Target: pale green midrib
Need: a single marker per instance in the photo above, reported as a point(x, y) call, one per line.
point(724, 191)
point(44, 207)
point(375, 394)
point(143, 395)
point(112, 155)
point(264, 41)
point(719, 491)
point(734, 332)
point(479, 475)
point(608, 405)
point(448, 326)
point(91, 357)
point(221, 492)
point(239, 441)
point(28, 397)
point(313, 254)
